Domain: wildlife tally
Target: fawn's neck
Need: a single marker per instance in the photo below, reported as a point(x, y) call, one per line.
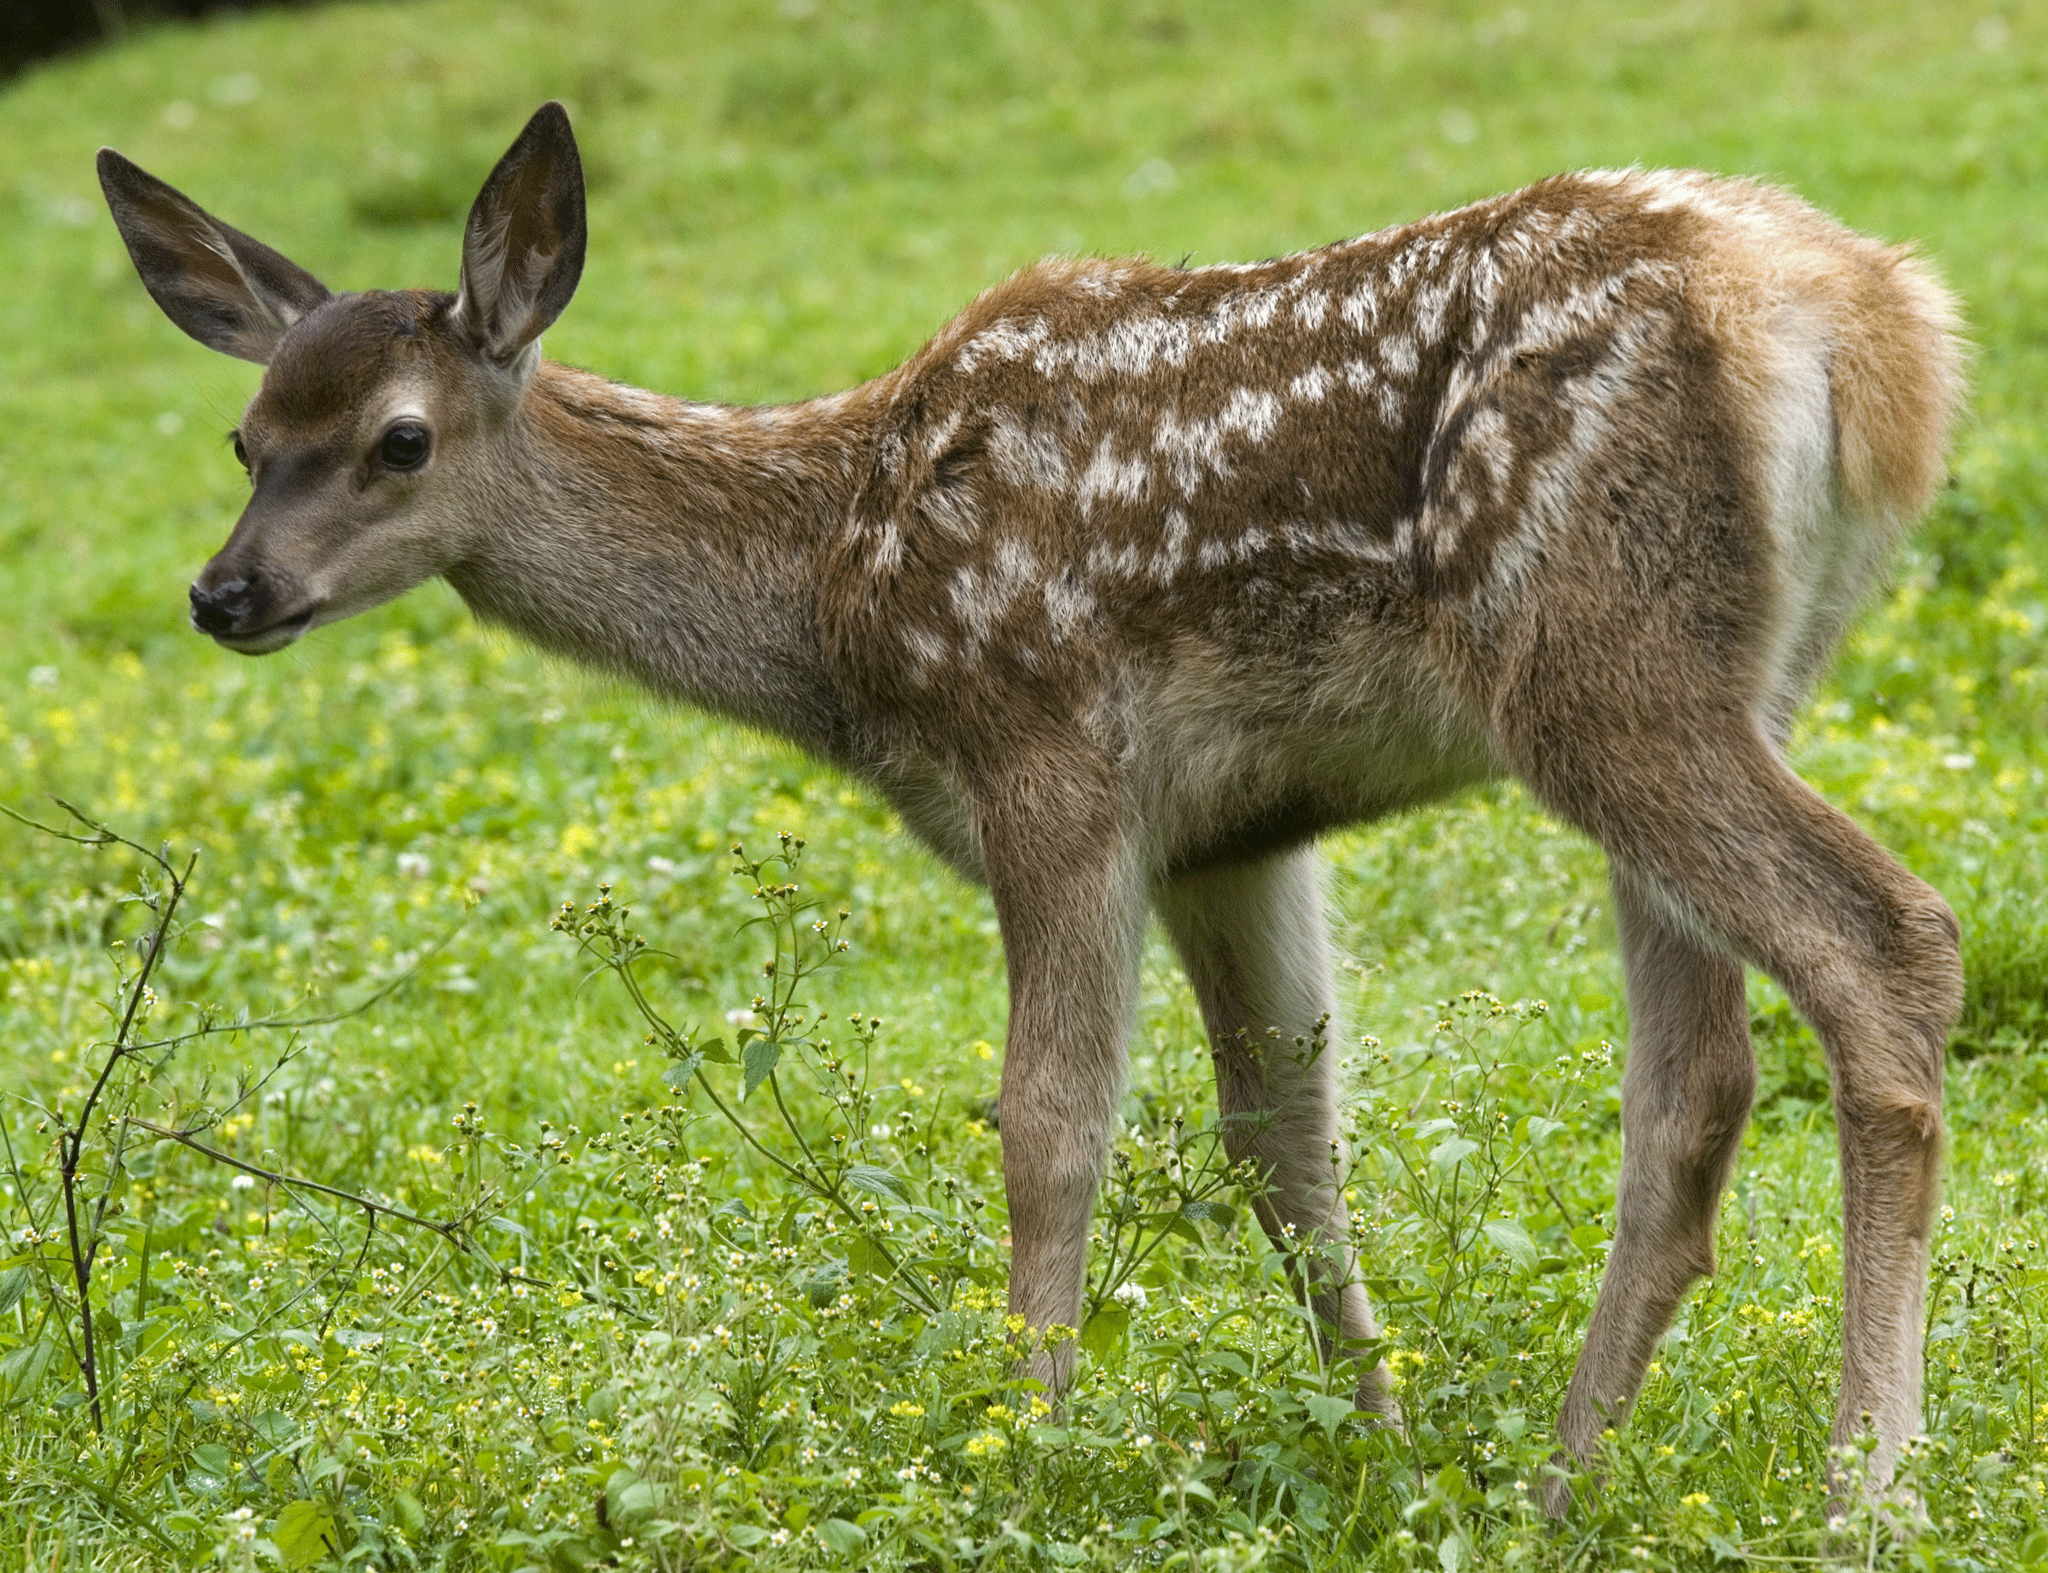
point(678, 544)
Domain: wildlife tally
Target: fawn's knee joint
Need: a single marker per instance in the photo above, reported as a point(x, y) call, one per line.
point(1730, 1093)
point(1929, 957)
point(1895, 1112)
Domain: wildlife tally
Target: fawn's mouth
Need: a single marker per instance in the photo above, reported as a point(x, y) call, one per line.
point(264, 641)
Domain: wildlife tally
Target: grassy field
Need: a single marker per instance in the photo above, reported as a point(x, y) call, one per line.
point(636, 1340)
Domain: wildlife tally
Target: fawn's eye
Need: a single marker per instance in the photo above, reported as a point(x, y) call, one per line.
point(404, 447)
point(241, 453)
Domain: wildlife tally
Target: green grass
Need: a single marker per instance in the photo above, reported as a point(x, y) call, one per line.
point(785, 200)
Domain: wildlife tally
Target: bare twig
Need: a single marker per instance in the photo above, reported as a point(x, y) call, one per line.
point(449, 1229)
point(72, 1143)
point(84, 1236)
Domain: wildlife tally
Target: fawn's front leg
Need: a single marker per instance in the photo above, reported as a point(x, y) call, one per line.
point(1685, 1096)
point(1069, 897)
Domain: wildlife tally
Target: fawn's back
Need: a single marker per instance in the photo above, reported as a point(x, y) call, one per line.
point(1282, 535)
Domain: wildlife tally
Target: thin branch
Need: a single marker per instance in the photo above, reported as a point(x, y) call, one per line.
point(454, 1230)
point(294, 1023)
point(450, 1229)
point(355, 1272)
point(72, 1141)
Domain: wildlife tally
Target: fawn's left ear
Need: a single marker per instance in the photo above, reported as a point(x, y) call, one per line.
point(231, 293)
point(522, 252)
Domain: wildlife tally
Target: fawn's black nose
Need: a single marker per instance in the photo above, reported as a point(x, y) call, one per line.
point(222, 608)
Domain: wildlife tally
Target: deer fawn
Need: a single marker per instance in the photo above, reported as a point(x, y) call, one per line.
point(1135, 579)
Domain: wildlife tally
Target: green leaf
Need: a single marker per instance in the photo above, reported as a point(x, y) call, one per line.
point(1539, 1128)
point(821, 1288)
point(746, 1536)
point(876, 1182)
point(1219, 1213)
point(714, 1050)
point(842, 1537)
point(1329, 1412)
point(22, 1369)
point(411, 1516)
point(1511, 1239)
point(628, 1500)
point(213, 1458)
point(13, 1286)
point(678, 1075)
point(1104, 1330)
point(1449, 1153)
point(304, 1534)
point(759, 1058)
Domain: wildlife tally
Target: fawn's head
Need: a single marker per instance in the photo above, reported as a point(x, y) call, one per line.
point(372, 441)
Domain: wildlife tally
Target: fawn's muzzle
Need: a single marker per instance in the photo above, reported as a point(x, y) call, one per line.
point(220, 609)
point(241, 615)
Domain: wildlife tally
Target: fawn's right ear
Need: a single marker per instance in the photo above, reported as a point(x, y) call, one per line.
point(231, 293)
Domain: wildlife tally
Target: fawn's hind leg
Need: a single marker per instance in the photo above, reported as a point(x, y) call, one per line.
point(1701, 814)
point(1252, 939)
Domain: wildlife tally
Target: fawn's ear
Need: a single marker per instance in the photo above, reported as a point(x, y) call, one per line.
point(231, 293)
point(523, 250)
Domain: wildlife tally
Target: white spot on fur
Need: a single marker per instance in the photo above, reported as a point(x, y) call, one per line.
point(1311, 387)
point(1130, 348)
point(981, 598)
point(1214, 554)
point(1485, 289)
point(1026, 455)
point(1487, 437)
point(1172, 548)
point(1253, 412)
point(1002, 341)
point(1109, 476)
point(1601, 304)
point(1196, 448)
point(941, 435)
point(1122, 563)
point(1361, 308)
point(952, 509)
point(926, 648)
point(1069, 605)
point(1431, 302)
point(888, 556)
